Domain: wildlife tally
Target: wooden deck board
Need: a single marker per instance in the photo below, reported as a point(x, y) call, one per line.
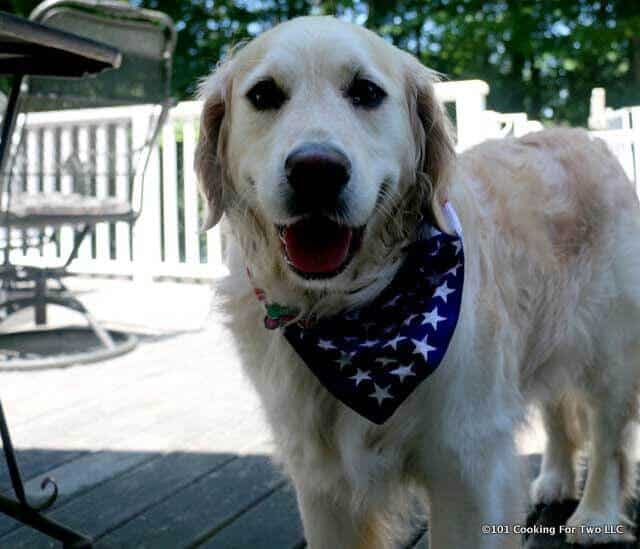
point(209, 504)
point(38, 461)
point(114, 502)
point(80, 475)
point(149, 424)
point(125, 434)
point(193, 438)
point(274, 522)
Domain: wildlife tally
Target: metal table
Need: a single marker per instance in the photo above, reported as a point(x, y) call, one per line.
point(27, 48)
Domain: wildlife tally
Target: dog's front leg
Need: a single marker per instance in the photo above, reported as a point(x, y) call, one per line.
point(330, 522)
point(477, 507)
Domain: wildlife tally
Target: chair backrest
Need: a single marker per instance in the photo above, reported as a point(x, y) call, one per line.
point(139, 90)
point(145, 38)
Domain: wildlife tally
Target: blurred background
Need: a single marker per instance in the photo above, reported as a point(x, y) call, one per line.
point(541, 57)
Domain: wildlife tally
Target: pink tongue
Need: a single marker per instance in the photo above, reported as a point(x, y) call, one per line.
point(317, 245)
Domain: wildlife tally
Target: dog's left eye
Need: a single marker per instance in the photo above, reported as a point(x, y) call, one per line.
point(266, 95)
point(364, 93)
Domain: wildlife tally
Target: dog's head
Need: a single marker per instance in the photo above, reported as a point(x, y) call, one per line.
point(324, 145)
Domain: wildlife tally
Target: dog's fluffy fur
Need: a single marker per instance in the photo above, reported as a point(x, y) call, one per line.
point(550, 311)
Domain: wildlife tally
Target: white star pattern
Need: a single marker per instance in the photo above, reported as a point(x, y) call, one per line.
point(386, 361)
point(345, 359)
point(369, 343)
point(457, 245)
point(409, 320)
point(432, 318)
point(454, 269)
point(435, 252)
point(380, 393)
point(422, 347)
point(361, 376)
point(393, 343)
point(403, 371)
point(326, 344)
point(443, 291)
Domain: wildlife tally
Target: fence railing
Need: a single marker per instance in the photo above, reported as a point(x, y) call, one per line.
point(166, 241)
point(620, 128)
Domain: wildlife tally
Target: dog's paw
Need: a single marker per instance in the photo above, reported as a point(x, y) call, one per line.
point(551, 487)
point(588, 527)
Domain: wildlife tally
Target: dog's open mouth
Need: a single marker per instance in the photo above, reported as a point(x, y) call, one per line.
point(318, 247)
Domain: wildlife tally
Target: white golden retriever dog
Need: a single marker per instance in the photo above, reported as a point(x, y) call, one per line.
point(324, 146)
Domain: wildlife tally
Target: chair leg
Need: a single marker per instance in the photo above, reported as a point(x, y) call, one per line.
point(78, 237)
point(41, 299)
point(101, 333)
point(29, 513)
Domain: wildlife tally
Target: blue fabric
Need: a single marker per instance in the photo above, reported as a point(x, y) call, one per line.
point(372, 358)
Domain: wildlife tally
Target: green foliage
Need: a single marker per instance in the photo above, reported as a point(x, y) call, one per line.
point(539, 56)
point(21, 7)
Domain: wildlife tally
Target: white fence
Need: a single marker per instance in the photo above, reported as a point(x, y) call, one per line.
point(620, 128)
point(165, 241)
point(473, 122)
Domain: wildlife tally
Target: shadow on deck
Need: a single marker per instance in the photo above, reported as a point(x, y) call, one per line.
point(179, 499)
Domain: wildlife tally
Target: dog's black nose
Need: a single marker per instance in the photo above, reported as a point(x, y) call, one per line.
point(317, 171)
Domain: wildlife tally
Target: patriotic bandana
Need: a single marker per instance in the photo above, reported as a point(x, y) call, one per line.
point(372, 358)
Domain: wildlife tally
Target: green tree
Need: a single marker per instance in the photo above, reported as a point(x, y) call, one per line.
point(539, 56)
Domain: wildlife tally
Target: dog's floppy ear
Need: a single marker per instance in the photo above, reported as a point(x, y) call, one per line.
point(210, 151)
point(432, 131)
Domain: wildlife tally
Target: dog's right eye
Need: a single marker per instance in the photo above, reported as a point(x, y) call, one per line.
point(364, 93)
point(266, 95)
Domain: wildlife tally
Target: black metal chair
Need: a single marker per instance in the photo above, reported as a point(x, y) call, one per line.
point(32, 213)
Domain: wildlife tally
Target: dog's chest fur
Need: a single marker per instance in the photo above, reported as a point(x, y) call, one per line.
point(315, 434)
